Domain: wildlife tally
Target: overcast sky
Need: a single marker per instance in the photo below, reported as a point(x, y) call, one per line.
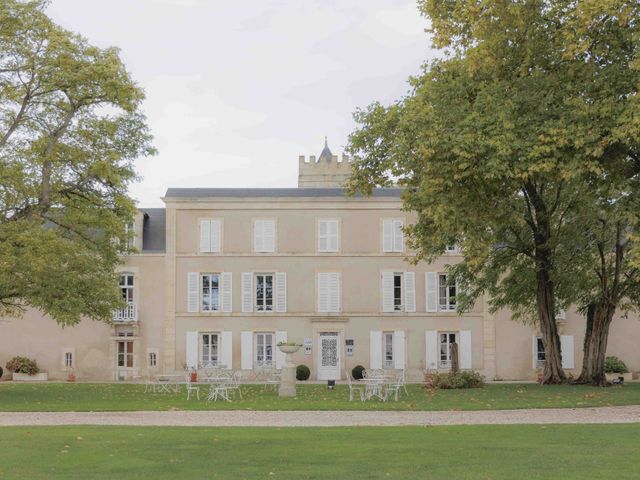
point(236, 90)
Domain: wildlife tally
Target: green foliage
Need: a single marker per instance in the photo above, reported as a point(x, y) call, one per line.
point(450, 380)
point(1, 372)
point(615, 365)
point(23, 365)
point(302, 372)
point(358, 372)
point(70, 128)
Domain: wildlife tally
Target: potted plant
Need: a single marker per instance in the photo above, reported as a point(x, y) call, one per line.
point(289, 347)
point(25, 370)
point(616, 370)
point(193, 373)
point(288, 375)
point(71, 377)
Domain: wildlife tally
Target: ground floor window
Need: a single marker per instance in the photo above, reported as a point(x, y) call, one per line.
point(125, 354)
point(210, 349)
point(153, 359)
point(387, 349)
point(446, 339)
point(264, 349)
point(68, 360)
point(540, 353)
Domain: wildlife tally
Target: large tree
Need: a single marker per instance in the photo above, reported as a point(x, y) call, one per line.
point(498, 142)
point(70, 128)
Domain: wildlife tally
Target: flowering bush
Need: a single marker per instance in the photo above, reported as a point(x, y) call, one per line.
point(23, 365)
point(461, 379)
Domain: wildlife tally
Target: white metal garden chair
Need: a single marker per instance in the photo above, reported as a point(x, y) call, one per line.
point(360, 389)
point(393, 389)
point(220, 391)
point(233, 385)
point(191, 387)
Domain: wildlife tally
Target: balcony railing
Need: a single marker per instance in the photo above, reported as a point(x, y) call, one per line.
point(126, 314)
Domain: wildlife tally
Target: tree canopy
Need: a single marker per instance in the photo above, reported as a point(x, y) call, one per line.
point(70, 128)
point(504, 143)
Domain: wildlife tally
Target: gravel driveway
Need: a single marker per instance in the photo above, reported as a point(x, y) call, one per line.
point(242, 418)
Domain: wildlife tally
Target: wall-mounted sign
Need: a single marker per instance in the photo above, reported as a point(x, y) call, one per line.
point(307, 346)
point(349, 343)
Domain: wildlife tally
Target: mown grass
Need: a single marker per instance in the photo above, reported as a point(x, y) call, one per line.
point(462, 452)
point(129, 397)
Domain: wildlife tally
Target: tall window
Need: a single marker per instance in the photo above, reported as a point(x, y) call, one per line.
point(447, 293)
point(264, 349)
point(129, 230)
point(210, 349)
point(397, 292)
point(264, 292)
point(68, 360)
point(125, 354)
point(446, 339)
point(328, 236)
point(541, 356)
point(126, 287)
point(210, 292)
point(153, 359)
point(387, 345)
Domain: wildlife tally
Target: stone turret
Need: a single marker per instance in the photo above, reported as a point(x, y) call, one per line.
point(325, 172)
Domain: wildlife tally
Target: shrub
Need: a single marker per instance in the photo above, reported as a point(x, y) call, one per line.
point(357, 372)
point(23, 365)
point(615, 365)
point(1, 372)
point(303, 372)
point(461, 379)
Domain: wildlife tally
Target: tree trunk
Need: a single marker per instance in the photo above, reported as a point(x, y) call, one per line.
point(455, 364)
point(599, 317)
point(553, 372)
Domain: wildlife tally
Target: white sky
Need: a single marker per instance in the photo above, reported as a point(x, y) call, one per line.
point(236, 90)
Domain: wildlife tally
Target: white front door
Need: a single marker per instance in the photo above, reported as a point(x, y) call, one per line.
point(328, 356)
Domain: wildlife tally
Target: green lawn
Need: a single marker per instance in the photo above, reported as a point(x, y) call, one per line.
point(127, 397)
point(463, 452)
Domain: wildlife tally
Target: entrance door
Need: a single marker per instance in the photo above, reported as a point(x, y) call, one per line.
point(328, 356)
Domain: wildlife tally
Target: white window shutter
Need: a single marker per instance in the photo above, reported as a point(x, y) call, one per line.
point(398, 236)
point(281, 336)
point(464, 349)
point(387, 291)
point(269, 230)
point(398, 349)
point(562, 314)
point(216, 236)
point(387, 235)
point(192, 350)
point(323, 236)
point(431, 291)
point(335, 291)
point(205, 236)
point(258, 236)
point(323, 292)
point(534, 351)
point(375, 350)
point(432, 349)
point(226, 352)
point(193, 289)
point(409, 291)
point(246, 350)
point(227, 292)
point(333, 243)
point(566, 350)
point(281, 292)
point(247, 291)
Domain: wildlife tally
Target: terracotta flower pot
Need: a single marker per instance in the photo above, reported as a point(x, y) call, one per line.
point(71, 377)
point(194, 377)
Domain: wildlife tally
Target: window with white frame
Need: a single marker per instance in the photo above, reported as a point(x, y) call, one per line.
point(540, 353)
point(209, 349)
point(387, 349)
point(126, 287)
point(446, 339)
point(130, 232)
point(210, 298)
point(153, 359)
point(447, 292)
point(68, 359)
point(328, 236)
point(392, 235)
point(451, 249)
point(125, 354)
point(397, 291)
point(264, 349)
point(264, 292)
point(264, 236)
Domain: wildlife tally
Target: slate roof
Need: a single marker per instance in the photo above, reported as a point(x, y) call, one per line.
point(153, 231)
